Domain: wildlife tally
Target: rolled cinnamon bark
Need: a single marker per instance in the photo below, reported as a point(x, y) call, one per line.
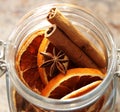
point(61, 41)
point(55, 17)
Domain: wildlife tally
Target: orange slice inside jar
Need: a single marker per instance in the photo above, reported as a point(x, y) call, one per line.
point(26, 61)
point(76, 82)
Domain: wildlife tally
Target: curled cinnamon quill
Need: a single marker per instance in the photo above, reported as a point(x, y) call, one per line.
point(61, 41)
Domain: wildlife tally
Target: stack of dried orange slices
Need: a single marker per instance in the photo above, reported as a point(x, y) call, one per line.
point(74, 82)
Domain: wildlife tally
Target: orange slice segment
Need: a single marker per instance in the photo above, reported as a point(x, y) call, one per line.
point(83, 90)
point(26, 61)
point(74, 79)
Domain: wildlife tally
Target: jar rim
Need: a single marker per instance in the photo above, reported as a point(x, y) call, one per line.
point(43, 101)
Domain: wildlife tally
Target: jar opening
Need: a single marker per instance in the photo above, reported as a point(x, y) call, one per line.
point(90, 23)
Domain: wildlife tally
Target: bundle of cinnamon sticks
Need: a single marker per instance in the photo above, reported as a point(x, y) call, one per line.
point(65, 36)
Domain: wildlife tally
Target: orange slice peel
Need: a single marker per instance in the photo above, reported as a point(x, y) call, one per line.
point(83, 90)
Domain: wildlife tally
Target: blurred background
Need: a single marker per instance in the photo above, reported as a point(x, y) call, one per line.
point(12, 10)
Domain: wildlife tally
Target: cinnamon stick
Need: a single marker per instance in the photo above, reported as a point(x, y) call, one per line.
point(61, 41)
point(56, 17)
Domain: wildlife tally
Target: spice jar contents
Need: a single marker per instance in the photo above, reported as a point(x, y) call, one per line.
point(60, 62)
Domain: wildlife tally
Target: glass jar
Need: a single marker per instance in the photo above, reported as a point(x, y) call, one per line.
point(21, 98)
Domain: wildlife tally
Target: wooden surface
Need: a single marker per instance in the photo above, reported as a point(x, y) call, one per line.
point(12, 10)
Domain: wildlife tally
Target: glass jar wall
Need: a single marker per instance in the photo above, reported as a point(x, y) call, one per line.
point(101, 99)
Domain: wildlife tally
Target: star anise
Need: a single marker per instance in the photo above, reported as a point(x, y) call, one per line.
point(55, 61)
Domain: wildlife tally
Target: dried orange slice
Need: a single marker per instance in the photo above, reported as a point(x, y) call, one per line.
point(74, 79)
point(26, 61)
point(40, 59)
point(83, 90)
point(47, 47)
